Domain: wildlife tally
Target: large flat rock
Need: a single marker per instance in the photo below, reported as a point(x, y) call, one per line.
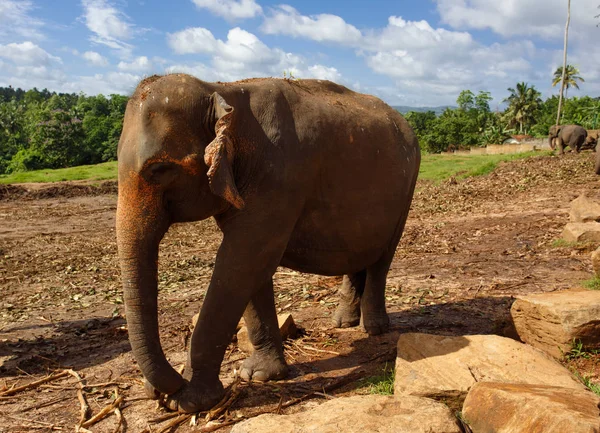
point(360, 414)
point(551, 321)
point(585, 209)
point(446, 368)
point(582, 232)
point(517, 408)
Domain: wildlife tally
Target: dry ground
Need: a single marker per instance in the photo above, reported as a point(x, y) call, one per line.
point(469, 247)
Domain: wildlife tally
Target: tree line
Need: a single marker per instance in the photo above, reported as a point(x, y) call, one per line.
point(473, 123)
point(41, 129)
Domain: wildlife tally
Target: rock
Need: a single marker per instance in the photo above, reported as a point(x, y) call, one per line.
point(551, 321)
point(287, 329)
point(517, 408)
point(585, 209)
point(360, 414)
point(596, 262)
point(446, 368)
point(582, 232)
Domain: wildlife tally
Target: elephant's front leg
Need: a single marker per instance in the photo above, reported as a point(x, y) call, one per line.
point(267, 361)
point(240, 274)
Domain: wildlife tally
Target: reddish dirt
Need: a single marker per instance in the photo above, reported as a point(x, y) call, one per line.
point(469, 247)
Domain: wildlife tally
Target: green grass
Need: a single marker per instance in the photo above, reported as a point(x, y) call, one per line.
point(433, 167)
point(443, 166)
point(104, 171)
point(578, 351)
point(382, 384)
point(587, 381)
point(592, 283)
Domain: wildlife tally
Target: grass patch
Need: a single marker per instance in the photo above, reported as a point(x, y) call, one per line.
point(433, 167)
point(594, 387)
point(437, 167)
point(382, 384)
point(578, 351)
point(592, 283)
point(104, 171)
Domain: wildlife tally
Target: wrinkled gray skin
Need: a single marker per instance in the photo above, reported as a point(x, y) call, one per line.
point(307, 174)
point(566, 135)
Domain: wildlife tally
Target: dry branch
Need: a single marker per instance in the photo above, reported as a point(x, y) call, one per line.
point(175, 422)
point(107, 410)
point(85, 408)
point(34, 384)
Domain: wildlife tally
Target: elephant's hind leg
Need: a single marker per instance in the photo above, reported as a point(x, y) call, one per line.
point(374, 317)
point(350, 294)
point(267, 360)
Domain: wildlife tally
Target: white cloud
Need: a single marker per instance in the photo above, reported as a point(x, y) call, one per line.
point(140, 64)
point(109, 25)
point(324, 73)
point(242, 55)
point(286, 20)
point(543, 18)
point(192, 40)
point(95, 58)
point(15, 19)
point(231, 9)
point(27, 53)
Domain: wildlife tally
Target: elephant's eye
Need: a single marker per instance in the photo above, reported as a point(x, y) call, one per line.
point(161, 172)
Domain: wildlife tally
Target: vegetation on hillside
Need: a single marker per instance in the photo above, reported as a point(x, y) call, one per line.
point(48, 130)
point(472, 123)
point(42, 129)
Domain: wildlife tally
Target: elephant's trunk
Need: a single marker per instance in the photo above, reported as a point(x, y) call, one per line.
point(597, 167)
point(140, 227)
point(551, 142)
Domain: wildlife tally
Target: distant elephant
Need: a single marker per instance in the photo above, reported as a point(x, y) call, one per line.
point(566, 135)
point(304, 174)
point(592, 138)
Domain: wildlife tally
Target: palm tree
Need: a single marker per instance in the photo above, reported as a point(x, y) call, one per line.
point(523, 103)
point(571, 77)
point(564, 70)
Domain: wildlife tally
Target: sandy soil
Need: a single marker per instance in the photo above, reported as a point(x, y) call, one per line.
point(469, 247)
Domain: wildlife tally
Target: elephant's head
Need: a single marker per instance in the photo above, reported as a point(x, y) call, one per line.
point(175, 164)
point(552, 134)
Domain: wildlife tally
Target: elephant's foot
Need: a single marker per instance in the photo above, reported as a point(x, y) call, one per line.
point(376, 324)
point(263, 366)
point(196, 396)
point(346, 316)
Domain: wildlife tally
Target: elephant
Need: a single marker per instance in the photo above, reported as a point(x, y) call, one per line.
point(592, 138)
point(305, 174)
point(560, 136)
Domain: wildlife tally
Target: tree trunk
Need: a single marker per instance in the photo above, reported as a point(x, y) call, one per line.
point(564, 71)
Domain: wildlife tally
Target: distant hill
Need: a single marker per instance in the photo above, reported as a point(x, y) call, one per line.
point(437, 110)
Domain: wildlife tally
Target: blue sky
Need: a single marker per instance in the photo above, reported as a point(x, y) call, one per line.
point(406, 52)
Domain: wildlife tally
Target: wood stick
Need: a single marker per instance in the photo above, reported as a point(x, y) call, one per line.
point(119, 416)
point(44, 404)
point(106, 410)
point(217, 426)
point(163, 417)
point(175, 422)
point(33, 384)
point(84, 406)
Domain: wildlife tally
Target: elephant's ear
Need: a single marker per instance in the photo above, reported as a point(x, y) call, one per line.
point(219, 154)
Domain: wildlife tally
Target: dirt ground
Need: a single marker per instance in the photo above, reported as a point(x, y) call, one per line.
point(469, 247)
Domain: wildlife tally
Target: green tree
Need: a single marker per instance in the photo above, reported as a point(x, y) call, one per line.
point(523, 104)
point(466, 100)
point(12, 135)
point(571, 78)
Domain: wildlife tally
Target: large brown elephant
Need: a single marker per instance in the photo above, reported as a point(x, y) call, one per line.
point(305, 174)
point(560, 136)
